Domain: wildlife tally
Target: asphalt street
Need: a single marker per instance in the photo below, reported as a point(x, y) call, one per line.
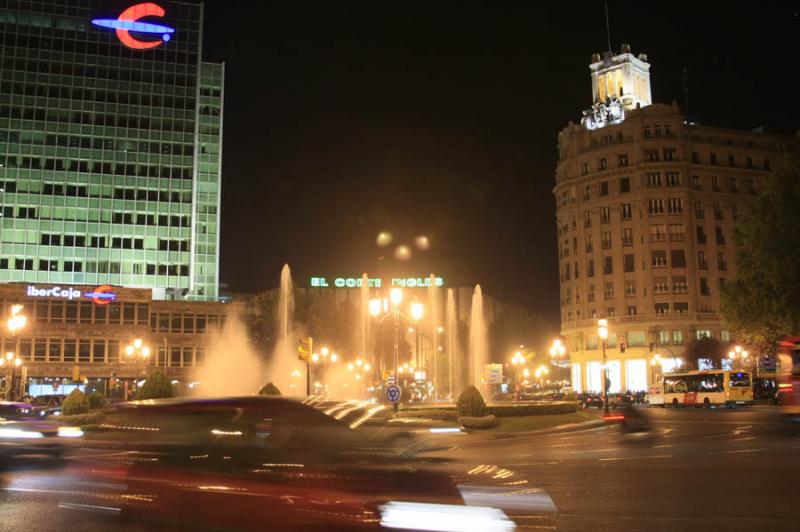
point(696, 470)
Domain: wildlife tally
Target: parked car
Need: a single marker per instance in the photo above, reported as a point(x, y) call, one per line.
point(655, 395)
point(248, 464)
point(616, 400)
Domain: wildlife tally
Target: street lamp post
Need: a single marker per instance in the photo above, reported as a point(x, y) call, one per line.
point(602, 332)
point(14, 362)
point(558, 351)
point(15, 323)
point(655, 362)
point(517, 361)
point(137, 350)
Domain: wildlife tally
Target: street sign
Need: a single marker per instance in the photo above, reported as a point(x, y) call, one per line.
point(305, 347)
point(493, 373)
point(393, 393)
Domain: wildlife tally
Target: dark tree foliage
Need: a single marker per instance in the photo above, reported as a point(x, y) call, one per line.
point(269, 389)
point(156, 386)
point(706, 347)
point(763, 302)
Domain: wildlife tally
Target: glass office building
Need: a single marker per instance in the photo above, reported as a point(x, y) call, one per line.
point(110, 146)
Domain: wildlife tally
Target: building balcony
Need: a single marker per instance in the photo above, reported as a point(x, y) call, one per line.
point(644, 319)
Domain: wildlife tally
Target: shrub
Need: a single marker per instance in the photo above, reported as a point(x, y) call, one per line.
point(532, 409)
point(269, 389)
point(97, 400)
point(75, 403)
point(156, 386)
point(429, 413)
point(483, 422)
point(470, 402)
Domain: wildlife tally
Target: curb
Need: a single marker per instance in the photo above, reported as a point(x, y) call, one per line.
point(570, 427)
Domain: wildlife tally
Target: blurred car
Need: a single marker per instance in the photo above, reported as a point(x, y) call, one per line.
point(377, 424)
point(253, 463)
point(23, 441)
point(47, 405)
point(13, 411)
point(530, 394)
point(617, 400)
point(588, 400)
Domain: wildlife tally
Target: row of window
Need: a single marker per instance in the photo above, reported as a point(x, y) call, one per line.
point(117, 73)
point(661, 286)
point(95, 167)
point(670, 154)
point(83, 191)
point(185, 323)
point(38, 138)
point(161, 220)
point(48, 239)
point(98, 351)
point(669, 179)
point(658, 259)
point(88, 94)
point(639, 338)
point(77, 266)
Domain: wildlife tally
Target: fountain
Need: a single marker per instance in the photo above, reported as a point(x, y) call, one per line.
point(433, 333)
point(454, 365)
point(284, 365)
point(231, 367)
point(478, 346)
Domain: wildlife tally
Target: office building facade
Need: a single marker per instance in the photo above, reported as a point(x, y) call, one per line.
point(646, 209)
point(110, 147)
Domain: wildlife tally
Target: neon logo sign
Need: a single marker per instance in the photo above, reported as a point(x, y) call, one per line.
point(102, 295)
point(128, 21)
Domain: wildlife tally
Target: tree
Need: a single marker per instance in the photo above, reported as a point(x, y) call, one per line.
point(515, 326)
point(706, 347)
point(75, 403)
point(269, 389)
point(97, 400)
point(156, 386)
point(763, 302)
point(470, 402)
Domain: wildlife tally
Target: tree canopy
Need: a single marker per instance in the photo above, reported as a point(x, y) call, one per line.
point(763, 302)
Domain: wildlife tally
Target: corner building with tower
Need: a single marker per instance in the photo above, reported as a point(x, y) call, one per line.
point(110, 177)
point(646, 205)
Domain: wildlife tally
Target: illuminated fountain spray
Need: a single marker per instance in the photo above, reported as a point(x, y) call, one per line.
point(454, 363)
point(364, 323)
point(285, 367)
point(433, 333)
point(478, 346)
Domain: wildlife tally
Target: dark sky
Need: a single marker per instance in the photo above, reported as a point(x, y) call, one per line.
point(441, 118)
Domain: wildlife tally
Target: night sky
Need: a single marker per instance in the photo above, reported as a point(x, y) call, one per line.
point(441, 118)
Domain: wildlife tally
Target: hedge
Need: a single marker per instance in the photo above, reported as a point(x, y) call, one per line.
point(532, 409)
point(81, 419)
point(429, 413)
point(483, 422)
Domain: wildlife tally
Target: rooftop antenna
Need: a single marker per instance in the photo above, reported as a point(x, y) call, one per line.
point(608, 29)
point(685, 79)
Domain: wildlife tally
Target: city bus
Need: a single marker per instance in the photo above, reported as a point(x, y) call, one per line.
point(708, 388)
point(789, 377)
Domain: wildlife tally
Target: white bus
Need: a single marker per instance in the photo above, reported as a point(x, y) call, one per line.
point(708, 388)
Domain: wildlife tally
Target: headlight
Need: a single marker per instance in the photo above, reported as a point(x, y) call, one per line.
point(443, 517)
point(70, 432)
point(20, 434)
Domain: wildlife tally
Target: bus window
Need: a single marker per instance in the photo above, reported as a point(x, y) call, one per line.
point(740, 379)
point(709, 383)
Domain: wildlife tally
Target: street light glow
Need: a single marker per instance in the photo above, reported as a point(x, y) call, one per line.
point(374, 307)
point(324, 351)
point(417, 310)
point(396, 296)
point(129, 350)
point(602, 328)
point(334, 357)
point(315, 357)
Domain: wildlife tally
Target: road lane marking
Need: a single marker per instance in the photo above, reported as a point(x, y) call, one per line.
point(744, 439)
point(738, 451)
point(564, 444)
point(652, 457)
point(598, 450)
point(664, 446)
point(744, 427)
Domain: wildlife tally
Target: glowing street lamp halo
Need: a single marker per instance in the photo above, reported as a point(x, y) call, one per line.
point(396, 296)
point(375, 306)
point(417, 310)
point(602, 328)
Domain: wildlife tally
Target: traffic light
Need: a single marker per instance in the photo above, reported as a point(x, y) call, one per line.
point(305, 347)
point(622, 347)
